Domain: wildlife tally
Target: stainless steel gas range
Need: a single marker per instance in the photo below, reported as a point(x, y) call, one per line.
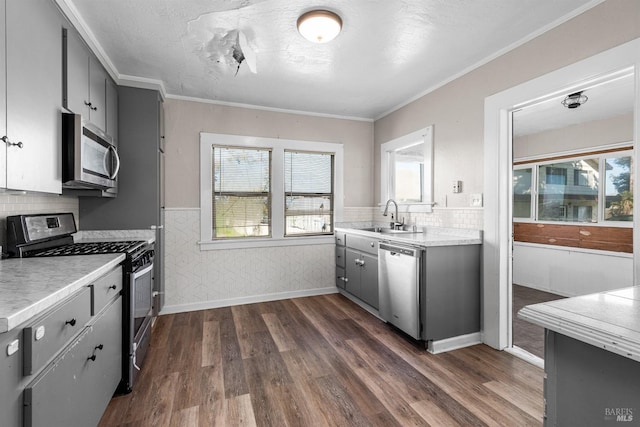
point(42, 235)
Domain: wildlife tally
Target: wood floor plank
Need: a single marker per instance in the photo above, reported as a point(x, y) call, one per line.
point(318, 361)
point(434, 415)
point(280, 335)
point(211, 354)
point(185, 417)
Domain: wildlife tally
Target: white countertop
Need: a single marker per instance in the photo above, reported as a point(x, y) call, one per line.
point(430, 236)
point(608, 320)
point(29, 286)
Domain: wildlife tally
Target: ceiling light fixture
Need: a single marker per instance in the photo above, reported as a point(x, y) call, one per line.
point(574, 100)
point(319, 26)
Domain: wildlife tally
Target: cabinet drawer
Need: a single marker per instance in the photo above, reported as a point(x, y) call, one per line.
point(47, 335)
point(340, 256)
point(364, 244)
point(341, 238)
point(76, 387)
point(105, 289)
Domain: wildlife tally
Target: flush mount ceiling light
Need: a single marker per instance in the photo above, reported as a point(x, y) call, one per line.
point(319, 26)
point(574, 100)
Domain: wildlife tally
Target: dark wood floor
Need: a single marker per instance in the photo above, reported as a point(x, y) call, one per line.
point(318, 361)
point(526, 335)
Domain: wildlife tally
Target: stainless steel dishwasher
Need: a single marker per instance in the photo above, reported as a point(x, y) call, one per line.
point(398, 286)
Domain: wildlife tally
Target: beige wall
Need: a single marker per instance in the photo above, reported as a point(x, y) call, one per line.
point(457, 109)
point(577, 137)
point(184, 120)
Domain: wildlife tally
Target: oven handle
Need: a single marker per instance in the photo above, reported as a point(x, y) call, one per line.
point(142, 272)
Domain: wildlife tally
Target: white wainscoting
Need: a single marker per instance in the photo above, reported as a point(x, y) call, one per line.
point(196, 279)
point(570, 271)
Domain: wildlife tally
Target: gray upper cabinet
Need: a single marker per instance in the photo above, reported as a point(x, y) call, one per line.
point(85, 81)
point(31, 94)
point(112, 111)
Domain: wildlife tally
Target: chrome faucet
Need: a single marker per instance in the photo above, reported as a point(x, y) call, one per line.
point(395, 225)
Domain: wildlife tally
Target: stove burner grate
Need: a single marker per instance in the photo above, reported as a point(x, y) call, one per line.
point(90, 248)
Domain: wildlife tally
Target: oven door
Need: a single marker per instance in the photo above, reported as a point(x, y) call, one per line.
point(139, 321)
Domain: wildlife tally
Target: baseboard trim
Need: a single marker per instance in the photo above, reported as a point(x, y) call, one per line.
point(454, 343)
point(523, 354)
point(205, 305)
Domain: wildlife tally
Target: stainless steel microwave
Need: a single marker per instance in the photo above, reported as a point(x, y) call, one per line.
point(89, 158)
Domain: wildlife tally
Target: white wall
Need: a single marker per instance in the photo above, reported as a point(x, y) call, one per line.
point(569, 271)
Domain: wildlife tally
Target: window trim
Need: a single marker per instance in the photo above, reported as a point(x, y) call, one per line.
point(278, 146)
point(386, 171)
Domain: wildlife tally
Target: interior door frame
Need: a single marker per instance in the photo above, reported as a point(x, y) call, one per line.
point(498, 161)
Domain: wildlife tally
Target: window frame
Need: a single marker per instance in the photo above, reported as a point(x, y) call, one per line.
point(620, 150)
point(387, 172)
point(278, 147)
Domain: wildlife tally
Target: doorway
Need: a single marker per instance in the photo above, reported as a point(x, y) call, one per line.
point(498, 157)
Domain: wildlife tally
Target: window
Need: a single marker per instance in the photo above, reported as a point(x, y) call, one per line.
point(308, 190)
point(522, 193)
point(406, 170)
point(592, 189)
point(241, 192)
point(559, 200)
point(259, 192)
point(618, 189)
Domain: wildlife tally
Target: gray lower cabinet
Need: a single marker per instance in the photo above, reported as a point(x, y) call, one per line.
point(62, 367)
point(586, 385)
point(361, 268)
point(76, 387)
point(450, 291)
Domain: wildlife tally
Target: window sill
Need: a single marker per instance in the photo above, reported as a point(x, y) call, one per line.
point(266, 243)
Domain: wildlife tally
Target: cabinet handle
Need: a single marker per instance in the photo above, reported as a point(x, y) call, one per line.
point(88, 104)
point(92, 357)
point(93, 108)
point(12, 144)
point(99, 347)
point(113, 287)
point(71, 322)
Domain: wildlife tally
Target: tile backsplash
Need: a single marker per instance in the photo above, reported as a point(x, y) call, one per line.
point(16, 204)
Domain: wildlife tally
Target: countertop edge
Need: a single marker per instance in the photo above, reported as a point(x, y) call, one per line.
point(19, 317)
point(446, 239)
point(615, 339)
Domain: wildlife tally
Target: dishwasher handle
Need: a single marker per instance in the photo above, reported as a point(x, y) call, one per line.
point(400, 250)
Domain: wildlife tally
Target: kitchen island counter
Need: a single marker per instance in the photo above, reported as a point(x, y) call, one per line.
point(592, 349)
point(608, 320)
point(29, 286)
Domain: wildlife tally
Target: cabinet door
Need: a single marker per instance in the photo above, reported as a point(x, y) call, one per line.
point(352, 270)
point(98, 94)
point(76, 77)
point(11, 351)
point(369, 280)
point(75, 388)
point(34, 95)
point(3, 100)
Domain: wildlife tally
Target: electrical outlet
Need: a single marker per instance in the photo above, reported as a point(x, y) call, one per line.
point(457, 186)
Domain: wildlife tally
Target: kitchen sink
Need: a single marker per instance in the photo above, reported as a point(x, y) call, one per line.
point(389, 230)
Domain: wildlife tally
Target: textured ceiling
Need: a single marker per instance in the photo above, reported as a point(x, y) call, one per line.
point(388, 53)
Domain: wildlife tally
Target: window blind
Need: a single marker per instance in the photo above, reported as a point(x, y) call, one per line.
point(241, 192)
point(308, 193)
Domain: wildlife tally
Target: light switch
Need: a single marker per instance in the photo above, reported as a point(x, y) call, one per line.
point(457, 186)
point(476, 200)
